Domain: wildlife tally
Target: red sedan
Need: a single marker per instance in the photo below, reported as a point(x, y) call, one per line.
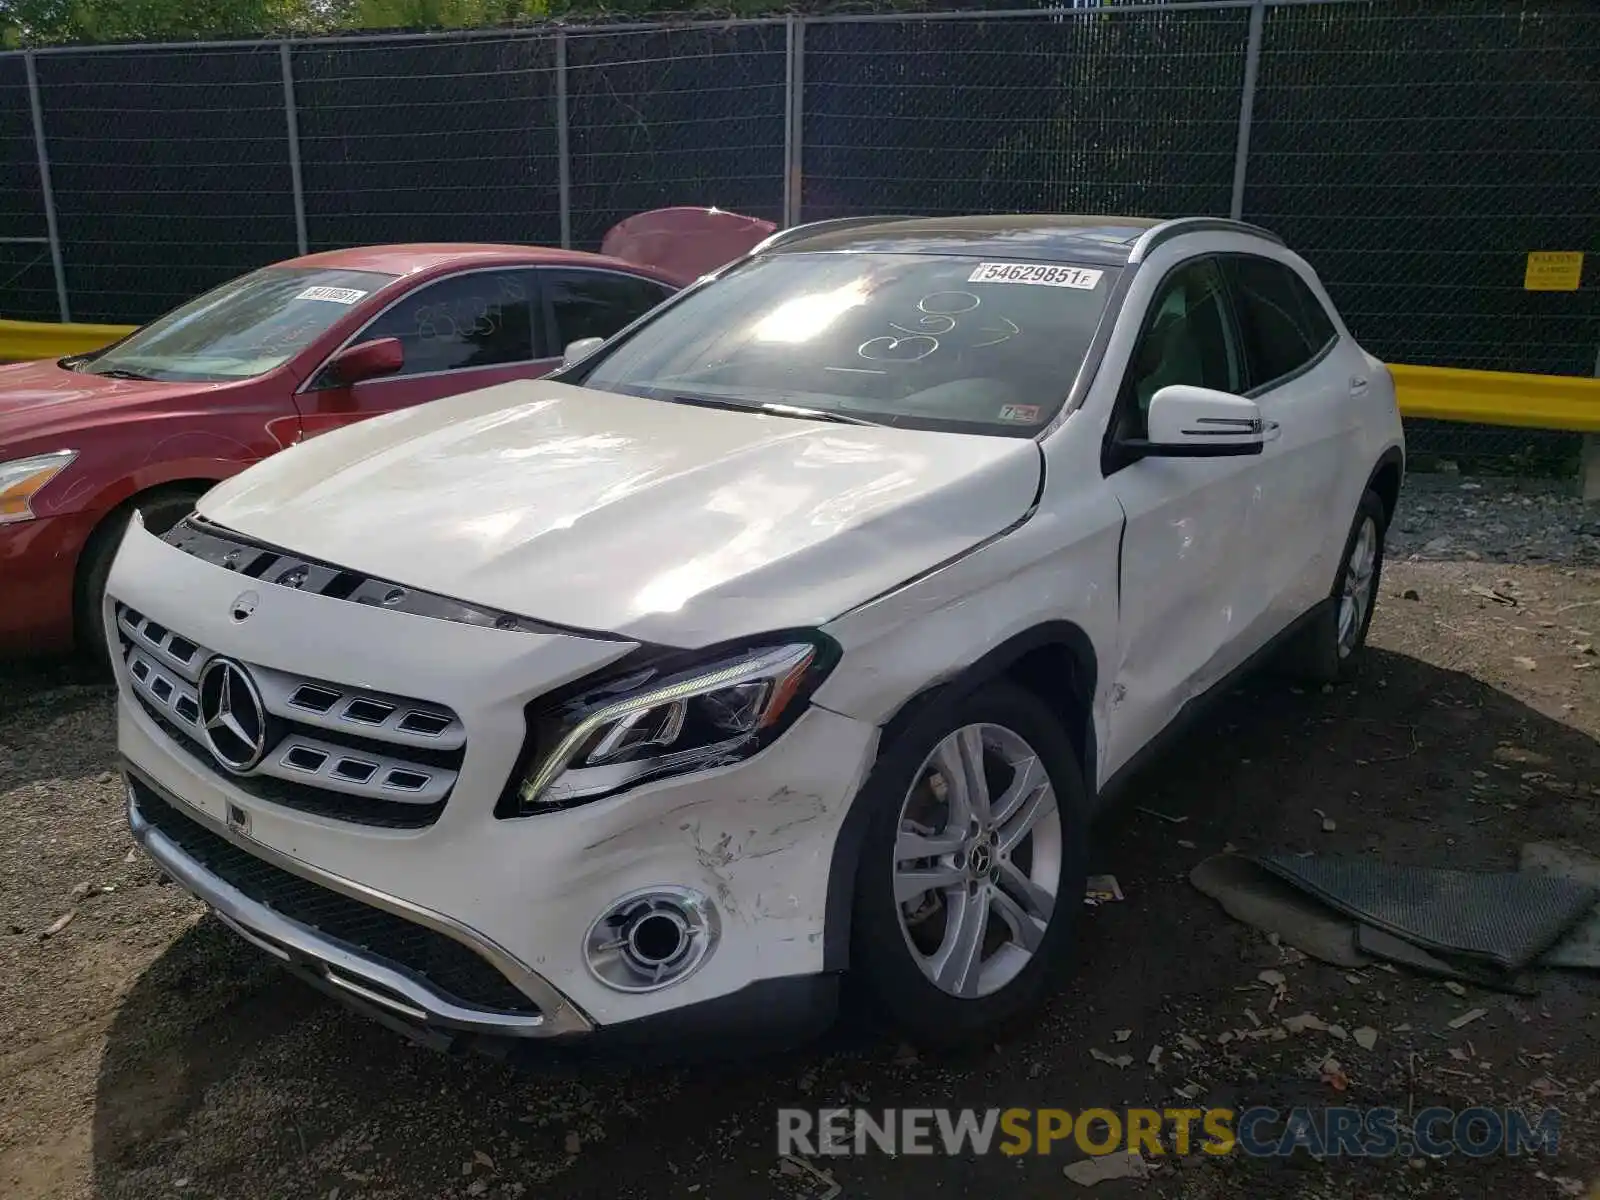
point(278, 356)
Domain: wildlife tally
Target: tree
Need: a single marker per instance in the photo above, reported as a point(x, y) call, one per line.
point(441, 14)
point(47, 22)
point(40, 22)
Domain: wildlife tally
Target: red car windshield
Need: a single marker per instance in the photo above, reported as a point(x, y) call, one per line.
point(244, 328)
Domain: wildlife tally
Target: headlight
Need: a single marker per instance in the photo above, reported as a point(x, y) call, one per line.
point(665, 721)
point(21, 479)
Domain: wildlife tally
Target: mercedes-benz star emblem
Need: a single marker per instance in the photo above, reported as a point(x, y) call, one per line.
point(233, 720)
point(244, 605)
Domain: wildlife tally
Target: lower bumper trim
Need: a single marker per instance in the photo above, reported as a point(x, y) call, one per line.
point(339, 967)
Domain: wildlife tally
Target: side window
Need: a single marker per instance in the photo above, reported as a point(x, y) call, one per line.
point(596, 303)
point(1284, 323)
point(1318, 325)
point(476, 319)
point(1188, 337)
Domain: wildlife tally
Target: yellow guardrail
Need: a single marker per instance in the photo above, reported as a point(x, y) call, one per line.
point(1436, 393)
point(1498, 398)
point(22, 341)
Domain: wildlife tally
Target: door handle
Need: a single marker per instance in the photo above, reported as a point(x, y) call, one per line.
point(1358, 385)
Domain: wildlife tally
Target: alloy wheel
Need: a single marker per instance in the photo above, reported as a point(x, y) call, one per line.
point(978, 858)
point(1356, 598)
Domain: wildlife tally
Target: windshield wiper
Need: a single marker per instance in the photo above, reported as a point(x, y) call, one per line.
point(813, 414)
point(119, 373)
point(780, 410)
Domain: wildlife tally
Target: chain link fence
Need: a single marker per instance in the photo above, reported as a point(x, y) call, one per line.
point(664, 117)
point(1133, 112)
point(1414, 150)
point(447, 140)
point(27, 277)
point(167, 171)
point(1415, 153)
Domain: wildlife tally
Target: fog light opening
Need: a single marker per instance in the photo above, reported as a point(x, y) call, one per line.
point(651, 939)
point(656, 939)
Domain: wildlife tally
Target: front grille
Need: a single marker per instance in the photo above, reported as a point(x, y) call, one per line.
point(444, 963)
point(349, 753)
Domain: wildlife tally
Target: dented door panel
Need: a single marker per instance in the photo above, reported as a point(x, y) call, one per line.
point(1189, 588)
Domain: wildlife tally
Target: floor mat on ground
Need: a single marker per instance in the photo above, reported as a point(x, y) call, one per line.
point(1253, 895)
point(1385, 947)
point(1580, 948)
point(1503, 919)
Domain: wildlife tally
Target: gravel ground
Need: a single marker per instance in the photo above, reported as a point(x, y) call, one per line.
point(1492, 519)
point(149, 1053)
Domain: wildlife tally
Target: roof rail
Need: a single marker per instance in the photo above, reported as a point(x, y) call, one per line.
point(797, 233)
point(1178, 226)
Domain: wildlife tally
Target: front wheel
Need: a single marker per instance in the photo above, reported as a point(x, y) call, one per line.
point(972, 870)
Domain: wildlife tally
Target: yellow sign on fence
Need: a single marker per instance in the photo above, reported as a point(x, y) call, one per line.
point(1553, 271)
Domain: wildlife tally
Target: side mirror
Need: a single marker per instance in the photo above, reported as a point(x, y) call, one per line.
point(581, 348)
point(367, 360)
point(1196, 422)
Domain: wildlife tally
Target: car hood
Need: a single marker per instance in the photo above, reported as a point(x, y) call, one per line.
point(663, 522)
point(685, 242)
point(43, 400)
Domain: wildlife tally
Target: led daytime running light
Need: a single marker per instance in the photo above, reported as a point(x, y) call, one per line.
point(785, 665)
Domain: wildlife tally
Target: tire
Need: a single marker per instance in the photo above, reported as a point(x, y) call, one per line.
point(162, 508)
point(896, 949)
point(1330, 648)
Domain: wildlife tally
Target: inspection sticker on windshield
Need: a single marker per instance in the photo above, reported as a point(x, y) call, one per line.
point(335, 295)
point(1027, 414)
point(1042, 273)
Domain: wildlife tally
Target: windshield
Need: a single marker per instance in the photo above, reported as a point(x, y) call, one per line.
point(241, 329)
point(898, 339)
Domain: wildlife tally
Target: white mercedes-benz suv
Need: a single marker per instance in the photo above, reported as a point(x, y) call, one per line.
point(798, 630)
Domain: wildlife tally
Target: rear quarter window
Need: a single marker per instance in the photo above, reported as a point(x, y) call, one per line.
point(1285, 326)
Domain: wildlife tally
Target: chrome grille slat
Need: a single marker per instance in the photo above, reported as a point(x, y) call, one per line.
point(423, 724)
point(136, 626)
point(299, 758)
point(438, 785)
point(367, 712)
point(313, 699)
point(180, 704)
point(279, 691)
point(363, 744)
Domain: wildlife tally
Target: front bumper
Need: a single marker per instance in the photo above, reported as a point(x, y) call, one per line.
point(756, 838)
point(768, 1014)
point(180, 844)
point(38, 571)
